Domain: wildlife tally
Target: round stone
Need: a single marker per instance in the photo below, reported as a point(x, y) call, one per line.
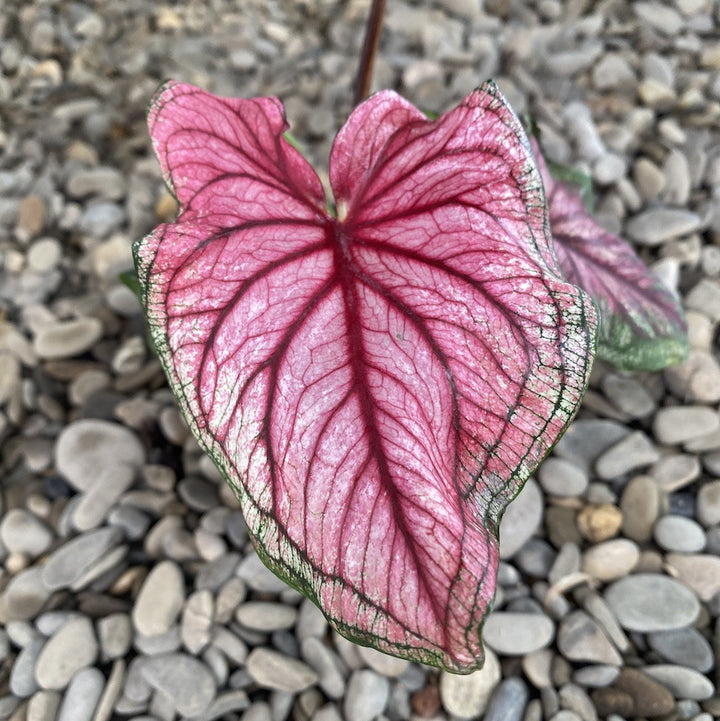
point(508, 701)
point(640, 505)
point(682, 682)
point(522, 518)
point(23, 532)
point(188, 684)
point(679, 534)
point(82, 696)
point(160, 599)
point(611, 559)
point(698, 571)
point(383, 663)
point(73, 647)
point(277, 671)
point(25, 595)
point(73, 560)
point(467, 696)
point(580, 638)
point(647, 602)
point(366, 697)
point(326, 664)
point(67, 339)
point(708, 504)
point(678, 424)
point(560, 477)
point(515, 634)
point(684, 647)
point(89, 445)
point(265, 617)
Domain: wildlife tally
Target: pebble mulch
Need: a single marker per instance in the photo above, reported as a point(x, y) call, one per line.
point(128, 587)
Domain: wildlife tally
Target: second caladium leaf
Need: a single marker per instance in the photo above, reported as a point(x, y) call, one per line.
point(642, 326)
point(376, 385)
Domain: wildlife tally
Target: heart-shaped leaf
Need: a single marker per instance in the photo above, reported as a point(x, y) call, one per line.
point(642, 326)
point(376, 386)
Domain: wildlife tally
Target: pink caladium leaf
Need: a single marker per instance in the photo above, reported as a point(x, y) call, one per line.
point(642, 326)
point(378, 384)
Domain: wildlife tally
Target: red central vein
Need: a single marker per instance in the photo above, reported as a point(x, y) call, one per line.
point(349, 275)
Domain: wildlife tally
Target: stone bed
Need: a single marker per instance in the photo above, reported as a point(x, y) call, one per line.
point(128, 586)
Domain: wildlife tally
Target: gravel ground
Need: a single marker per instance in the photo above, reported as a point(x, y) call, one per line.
point(128, 587)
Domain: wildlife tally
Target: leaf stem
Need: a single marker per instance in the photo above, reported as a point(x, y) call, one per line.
point(369, 50)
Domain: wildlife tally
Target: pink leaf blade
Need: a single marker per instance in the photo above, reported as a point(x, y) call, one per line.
point(376, 390)
point(210, 147)
point(642, 326)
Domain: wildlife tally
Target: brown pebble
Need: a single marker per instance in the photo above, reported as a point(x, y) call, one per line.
point(166, 207)
point(31, 214)
point(599, 522)
point(426, 701)
point(650, 698)
point(612, 700)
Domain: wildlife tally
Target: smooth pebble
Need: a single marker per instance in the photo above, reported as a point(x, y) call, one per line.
point(647, 602)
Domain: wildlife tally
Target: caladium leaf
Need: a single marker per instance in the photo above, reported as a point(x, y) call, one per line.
point(642, 326)
point(375, 385)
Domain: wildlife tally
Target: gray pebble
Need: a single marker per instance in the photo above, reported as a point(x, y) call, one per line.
point(25, 594)
point(383, 663)
point(535, 558)
point(231, 645)
point(311, 622)
point(66, 339)
point(82, 696)
point(516, 634)
point(265, 617)
point(585, 440)
point(366, 697)
point(682, 682)
point(103, 182)
point(86, 446)
point(96, 502)
point(225, 704)
point(258, 577)
point(628, 395)
point(184, 680)
point(560, 477)
point(658, 225)
point(160, 599)
point(581, 639)
point(647, 602)
point(597, 676)
point(679, 424)
point(76, 557)
point(468, 696)
point(326, 663)
point(675, 471)
point(101, 219)
point(631, 453)
point(508, 701)
point(115, 635)
point(684, 647)
point(197, 621)
point(522, 518)
point(697, 380)
point(23, 532)
point(705, 298)
point(73, 647)
point(574, 698)
point(274, 670)
point(676, 533)
point(22, 678)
